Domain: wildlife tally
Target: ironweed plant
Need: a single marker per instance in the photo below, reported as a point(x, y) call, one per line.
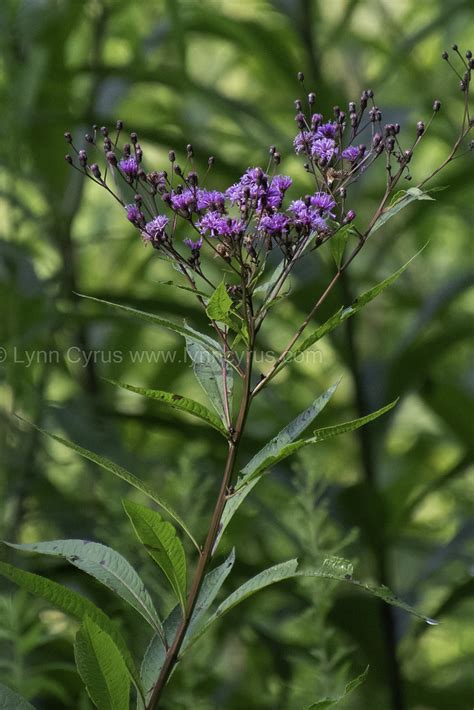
point(246, 228)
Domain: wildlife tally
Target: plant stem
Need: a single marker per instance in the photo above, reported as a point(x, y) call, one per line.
point(173, 651)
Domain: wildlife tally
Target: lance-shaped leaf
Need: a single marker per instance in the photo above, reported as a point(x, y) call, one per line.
point(329, 702)
point(286, 436)
point(125, 475)
point(209, 369)
point(318, 436)
point(220, 305)
point(176, 401)
point(335, 568)
point(155, 654)
point(105, 565)
point(183, 330)
point(9, 700)
point(344, 313)
point(101, 667)
point(401, 200)
point(162, 544)
point(71, 603)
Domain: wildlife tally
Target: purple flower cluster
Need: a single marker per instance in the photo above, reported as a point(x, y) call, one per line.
point(129, 166)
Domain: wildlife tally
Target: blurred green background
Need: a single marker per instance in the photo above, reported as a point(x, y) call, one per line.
point(397, 498)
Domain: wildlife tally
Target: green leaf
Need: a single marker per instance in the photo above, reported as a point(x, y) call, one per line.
point(352, 685)
point(183, 330)
point(344, 313)
point(338, 243)
point(209, 370)
point(71, 603)
point(335, 568)
point(286, 436)
point(162, 544)
point(220, 304)
point(9, 700)
point(105, 565)
point(101, 668)
point(125, 476)
point(318, 436)
point(401, 200)
point(176, 401)
point(155, 655)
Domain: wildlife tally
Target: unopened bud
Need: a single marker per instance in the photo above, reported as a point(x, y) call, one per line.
point(119, 125)
point(193, 179)
point(298, 105)
point(68, 137)
point(82, 158)
point(436, 105)
point(454, 47)
point(407, 154)
point(111, 158)
point(210, 160)
point(276, 157)
point(420, 128)
point(171, 156)
point(300, 120)
point(311, 98)
point(300, 76)
point(95, 170)
point(88, 138)
point(189, 150)
point(68, 159)
point(445, 55)
point(104, 130)
point(350, 217)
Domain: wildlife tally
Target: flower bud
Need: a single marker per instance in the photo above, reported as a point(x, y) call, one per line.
point(171, 156)
point(88, 138)
point(468, 54)
point(350, 217)
point(189, 150)
point(352, 107)
point(210, 160)
point(95, 170)
point(83, 158)
point(342, 192)
point(193, 179)
point(312, 98)
point(119, 125)
point(104, 130)
point(436, 105)
point(300, 120)
point(276, 158)
point(107, 144)
point(300, 76)
point(298, 104)
point(68, 137)
point(111, 158)
point(445, 55)
point(407, 155)
point(68, 159)
point(420, 128)
point(454, 47)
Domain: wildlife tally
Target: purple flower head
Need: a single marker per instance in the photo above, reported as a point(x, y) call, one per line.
point(350, 153)
point(274, 224)
point(306, 217)
point(129, 167)
point(276, 192)
point(133, 214)
point(210, 198)
point(253, 184)
point(219, 225)
point(183, 200)
point(323, 202)
point(155, 230)
point(194, 246)
point(316, 119)
point(327, 130)
point(324, 149)
point(303, 141)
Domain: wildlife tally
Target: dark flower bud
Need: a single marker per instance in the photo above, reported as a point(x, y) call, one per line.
point(68, 137)
point(342, 192)
point(420, 128)
point(210, 160)
point(436, 105)
point(111, 158)
point(133, 138)
point(94, 126)
point(352, 107)
point(166, 197)
point(363, 100)
point(350, 217)
point(468, 54)
point(471, 64)
point(454, 47)
point(68, 159)
point(189, 150)
point(88, 138)
point(82, 158)
point(370, 94)
point(272, 150)
point(353, 117)
point(107, 144)
point(138, 154)
point(311, 98)
point(341, 117)
point(407, 155)
point(126, 150)
point(463, 85)
point(119, 125)
point(445, 55)
point(298, 104)
point(300, 120)
point(138, 199)
point(95, 170)
point(337, 111)
point(193, 179)
point(362, 149)
point(376, 139)
point(171, 156)
point(397, 128)
point(373, 114)
point(276, 158)
point(141, 175)
point(390, 144)
point(177, 170)
point(300, 76)
point(104, 130)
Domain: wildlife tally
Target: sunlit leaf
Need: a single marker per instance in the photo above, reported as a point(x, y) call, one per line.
point(220, 304)
point(209, 369)
point(401, 200)
point(101, 667)
point(179, 402)
point(162, 544)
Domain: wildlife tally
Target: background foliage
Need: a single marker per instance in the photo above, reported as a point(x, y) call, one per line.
point(396, 496)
